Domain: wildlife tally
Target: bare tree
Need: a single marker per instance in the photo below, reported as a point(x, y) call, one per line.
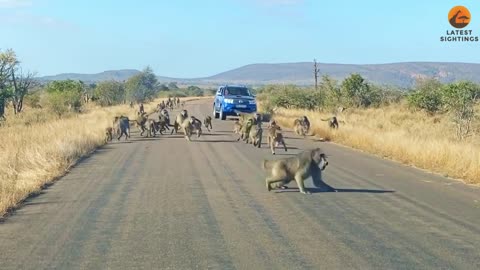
point(8, 62)
point(21, 85)
point(316, 72)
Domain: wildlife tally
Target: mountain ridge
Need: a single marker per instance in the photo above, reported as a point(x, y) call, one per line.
point(401, 74)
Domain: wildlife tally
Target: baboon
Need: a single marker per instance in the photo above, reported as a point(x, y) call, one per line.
point(164, 114)
point(179, 121)
point(121, 125)
point(141, 109)
point(300, 129)
point(332, 122)
point(255, 135)
point(245, 130)
point(189, 125)
point(196, 125)
point(207, 122)
point(141, 121)
point(300, 167)
point(275, 137)
point(150, 127)
point(301, 126)
point(108, 134)
point(237, 127)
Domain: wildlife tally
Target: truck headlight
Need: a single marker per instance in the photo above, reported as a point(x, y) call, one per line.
point(228, 101)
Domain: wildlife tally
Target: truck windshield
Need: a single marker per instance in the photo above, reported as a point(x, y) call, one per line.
point(237, 91)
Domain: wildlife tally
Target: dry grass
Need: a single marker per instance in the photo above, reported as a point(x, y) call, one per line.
point(394, 132)
point(36, 147)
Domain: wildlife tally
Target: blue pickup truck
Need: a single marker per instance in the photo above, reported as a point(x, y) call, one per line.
point(231, 100)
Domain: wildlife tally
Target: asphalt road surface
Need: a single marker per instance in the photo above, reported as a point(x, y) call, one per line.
point(165, 203)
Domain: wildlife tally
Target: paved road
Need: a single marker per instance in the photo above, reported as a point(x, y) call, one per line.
point(163, 203)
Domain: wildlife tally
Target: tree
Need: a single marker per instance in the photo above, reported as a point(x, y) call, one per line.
point(8, 62)
point(459, 99)
point(142, 87)
point(359, 92)
point(21, 85)
point(426, 96)
point(316, 72)
point(331, 90)
point(109, 93)
point(64, 96)
point(172, 86)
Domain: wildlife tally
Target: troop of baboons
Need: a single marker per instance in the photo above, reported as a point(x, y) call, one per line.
point(249, 129)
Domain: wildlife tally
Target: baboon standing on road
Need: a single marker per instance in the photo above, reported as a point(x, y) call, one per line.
point(207, 122)
point(275, 137)
point(255, 135)
point(300, 167)
point(108, 134)
point(179, 121)
point(122, 126)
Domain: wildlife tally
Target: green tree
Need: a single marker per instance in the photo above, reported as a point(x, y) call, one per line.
point(64, 96)
point(194, 91)
point(358, 92)
point(427, 96)
point(459, 99)
point(109, 93)
point(172, 86)
point(142, 87)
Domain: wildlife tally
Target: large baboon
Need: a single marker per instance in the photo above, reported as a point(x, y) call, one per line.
point(245, 130)
point(301, 126)
point(121, 125)
point(300, 167)
point(140, 122)
point(150, 127)
point(179, 121)
point(191, 125)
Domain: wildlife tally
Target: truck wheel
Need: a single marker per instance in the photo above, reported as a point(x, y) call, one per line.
point(215, 114)
point(223, 116)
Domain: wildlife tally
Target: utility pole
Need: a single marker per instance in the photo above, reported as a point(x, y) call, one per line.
point(316, 72)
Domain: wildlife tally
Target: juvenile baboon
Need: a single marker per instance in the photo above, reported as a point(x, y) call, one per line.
point(108, 134)
point(196, 125)
point(207, 122)
point(237, 127)
point(332, 122)
point(122, 126)
point(179, 121)
point(300, 167)
point(275, 137)
point(255, 135)
point(141, 121)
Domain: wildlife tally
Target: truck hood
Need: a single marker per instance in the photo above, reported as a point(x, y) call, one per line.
point(240, 97)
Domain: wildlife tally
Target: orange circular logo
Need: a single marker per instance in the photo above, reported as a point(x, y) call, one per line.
point(459, 17)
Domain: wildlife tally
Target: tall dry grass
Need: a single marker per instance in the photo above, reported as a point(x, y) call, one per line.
point(396, 133)
point(36, 147)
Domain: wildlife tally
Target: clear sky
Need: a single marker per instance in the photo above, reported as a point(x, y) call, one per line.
point(195, 38)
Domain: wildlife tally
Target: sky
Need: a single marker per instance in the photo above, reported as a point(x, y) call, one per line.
point(197, 38)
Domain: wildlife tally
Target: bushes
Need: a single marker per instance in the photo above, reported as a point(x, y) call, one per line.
point(109, 93)
point(354, 91)
point(427, 96)
point(63, 96)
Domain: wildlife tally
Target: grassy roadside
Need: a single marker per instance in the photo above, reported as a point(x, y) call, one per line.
point(36, 148)
point(394, 132)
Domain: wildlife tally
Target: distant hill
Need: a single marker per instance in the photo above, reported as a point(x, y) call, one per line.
point(398, 74)
point(117, 75)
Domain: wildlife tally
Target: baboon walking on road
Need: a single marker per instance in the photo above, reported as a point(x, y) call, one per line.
point(207, 122)
point(122, 126)
point(275, 137)
point(179, 121)
point(300, 167)
point(108, 134)
point(255, 135)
